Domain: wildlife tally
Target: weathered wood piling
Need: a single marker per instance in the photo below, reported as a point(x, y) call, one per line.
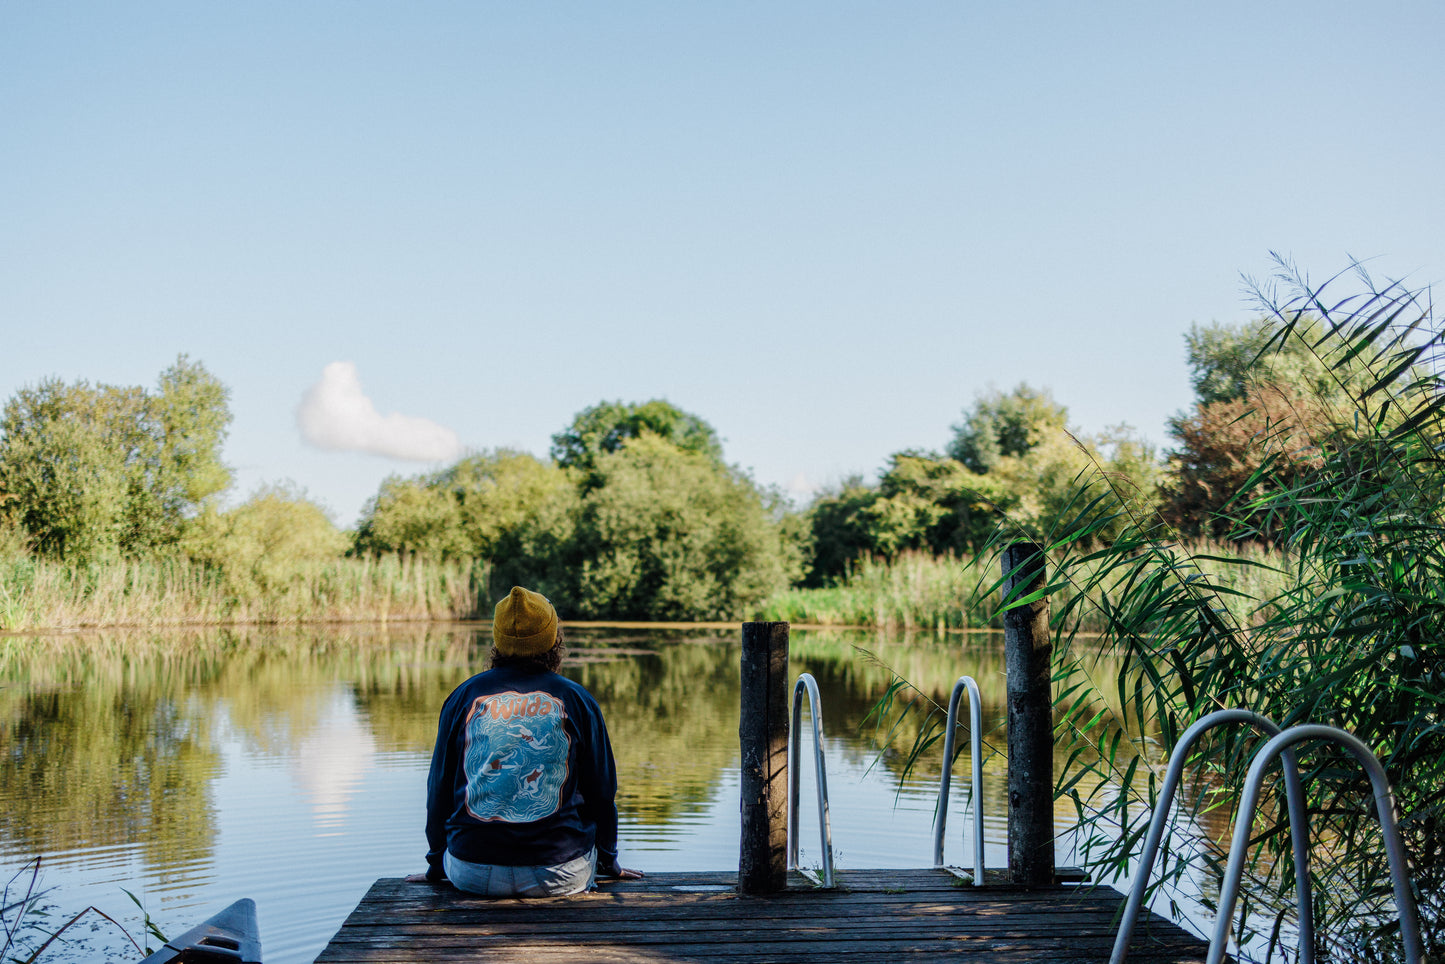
point(763, 739)
point(1028, 660)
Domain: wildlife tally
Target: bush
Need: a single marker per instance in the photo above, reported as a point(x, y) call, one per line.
point(477, 508)
point(265, 542)
point(668, 534)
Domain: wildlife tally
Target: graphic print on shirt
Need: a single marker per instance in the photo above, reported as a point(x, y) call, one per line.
point(516, 756)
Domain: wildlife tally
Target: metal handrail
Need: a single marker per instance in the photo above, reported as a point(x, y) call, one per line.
point(1298, 828)
point(806, 682)
point(975, 756)
point(1389, 828)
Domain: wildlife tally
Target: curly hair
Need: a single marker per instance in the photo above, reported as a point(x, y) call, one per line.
point(547, 662)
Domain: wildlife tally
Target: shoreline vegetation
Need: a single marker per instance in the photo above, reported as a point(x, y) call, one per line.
point(915, 592)
point(1339, 623)
point(39, 594)
point(111, 513)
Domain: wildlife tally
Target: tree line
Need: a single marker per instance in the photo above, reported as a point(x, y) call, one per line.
point(635, 512)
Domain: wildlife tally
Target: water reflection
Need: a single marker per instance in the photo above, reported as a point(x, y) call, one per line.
point(289, 765)
point(101, 756)
point(332, 759)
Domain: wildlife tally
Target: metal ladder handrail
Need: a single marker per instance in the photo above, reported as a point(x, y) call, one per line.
point(1298, 828)
point(806, 682)
point(975, 756)
point(1385, 808)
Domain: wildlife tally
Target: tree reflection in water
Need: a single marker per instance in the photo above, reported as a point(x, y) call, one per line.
point(130, 751)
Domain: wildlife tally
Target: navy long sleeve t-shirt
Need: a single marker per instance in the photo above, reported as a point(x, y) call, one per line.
point(522, 775)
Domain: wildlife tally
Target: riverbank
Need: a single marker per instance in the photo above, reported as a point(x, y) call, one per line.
point(919, 591)
point(913, 592)
point(40, 594)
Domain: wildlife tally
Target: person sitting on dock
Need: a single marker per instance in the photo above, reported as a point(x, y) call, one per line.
point(520, 798)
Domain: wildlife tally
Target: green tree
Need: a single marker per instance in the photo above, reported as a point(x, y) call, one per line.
point(923, 501)
point(87, 471)
point(266, 541)
point(926, 501)
point(1275, 389)
point(1036, 472)
point(607, 426)
point(1003, 424)
point(412, 515)
point(487, 506)
point(936, 504)
point(1227, 361)
point(669, 533)
point(175, 460)
point(63, 476)
point(840, 529)
point(639, 518)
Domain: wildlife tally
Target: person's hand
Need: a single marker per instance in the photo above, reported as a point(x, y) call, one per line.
point(418, 879)
point(622, 874)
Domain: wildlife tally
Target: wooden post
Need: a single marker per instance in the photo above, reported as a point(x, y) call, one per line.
point(763, 733)
point(1028, 657)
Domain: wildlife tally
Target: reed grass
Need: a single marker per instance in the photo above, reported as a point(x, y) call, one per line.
point(37, 593)
point(917, 590)
point(1343, 626)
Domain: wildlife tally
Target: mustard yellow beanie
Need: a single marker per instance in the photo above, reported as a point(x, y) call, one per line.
point(524, 624)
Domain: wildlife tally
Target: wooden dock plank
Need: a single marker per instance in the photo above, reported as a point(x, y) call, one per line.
point(700, 917)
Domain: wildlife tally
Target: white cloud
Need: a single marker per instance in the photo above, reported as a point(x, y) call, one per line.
point(336, 415)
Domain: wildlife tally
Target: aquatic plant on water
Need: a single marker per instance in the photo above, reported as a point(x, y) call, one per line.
point(29, 936)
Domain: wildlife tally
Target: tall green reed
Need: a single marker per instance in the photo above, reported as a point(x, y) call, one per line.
point(919, 591)
point(1343, 623)
point(915, 590)
point(38, 593)
point(1354, 637)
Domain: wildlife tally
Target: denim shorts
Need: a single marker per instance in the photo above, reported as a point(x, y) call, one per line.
point(498, 880)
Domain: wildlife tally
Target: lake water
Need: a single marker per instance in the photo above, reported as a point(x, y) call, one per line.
point(289, 765)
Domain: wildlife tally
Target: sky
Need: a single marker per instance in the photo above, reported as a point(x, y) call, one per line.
point(401, 231)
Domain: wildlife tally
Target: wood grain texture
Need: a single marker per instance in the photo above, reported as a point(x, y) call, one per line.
point(1028, 660)
point(763, 744)
point(701, 917)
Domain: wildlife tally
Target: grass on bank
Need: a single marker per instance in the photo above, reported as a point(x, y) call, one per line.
point(915, 591)
point(36, 593)
point(919, 591)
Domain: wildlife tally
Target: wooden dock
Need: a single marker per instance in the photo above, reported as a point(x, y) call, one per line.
point(699, 917)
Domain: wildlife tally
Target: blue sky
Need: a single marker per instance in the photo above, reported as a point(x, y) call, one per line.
point(822, 227)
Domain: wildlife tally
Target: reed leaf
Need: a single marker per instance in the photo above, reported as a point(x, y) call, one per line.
point(1327, 606)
